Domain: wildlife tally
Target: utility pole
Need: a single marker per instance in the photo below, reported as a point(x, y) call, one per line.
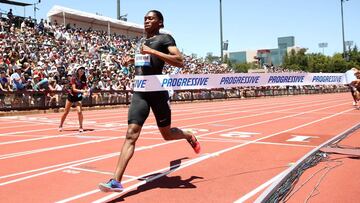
point(221, 35)
point(118, 9)
point(342, 25)
point(36, 8)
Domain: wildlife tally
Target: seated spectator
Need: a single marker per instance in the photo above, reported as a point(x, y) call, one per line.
point(17, 79)
point(4, 88)
point(54, 92)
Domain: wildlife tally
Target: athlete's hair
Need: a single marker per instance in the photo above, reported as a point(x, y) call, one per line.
point(83, 77)
point(159, 15)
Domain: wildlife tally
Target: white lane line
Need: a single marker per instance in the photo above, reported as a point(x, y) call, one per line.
point(55, 166)
point(123, 111)
point(163, 172)
point(233, 118)
point(91, 170)
point(60, 165)
point(111, 196)
point(258, 189)
point(71, 118)
point(197, 112)
point(21, 126)
point(12, 155)
point(263, 186)
point(65, 166)
point(56, 136)
point(268, 107)
point(170, 142)
point(49, 137)
point(58, 169)
point(28, 140)
point(265, 113)
point(174, 168)
point(97, 171)
point(285, 144)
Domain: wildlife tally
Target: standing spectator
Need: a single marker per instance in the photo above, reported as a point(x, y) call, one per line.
point(77, 90)
point(23, 26)
point(10, 16)
point(41, 26)
point(4, 88)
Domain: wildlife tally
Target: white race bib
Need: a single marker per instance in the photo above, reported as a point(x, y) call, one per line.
point(142, 60)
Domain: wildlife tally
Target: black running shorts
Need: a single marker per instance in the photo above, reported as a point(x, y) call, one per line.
point(73, 99)
point(141, 103)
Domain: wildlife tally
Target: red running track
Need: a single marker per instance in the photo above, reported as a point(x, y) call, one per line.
point(245, 144)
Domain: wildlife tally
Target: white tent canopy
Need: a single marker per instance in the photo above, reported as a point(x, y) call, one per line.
point(64, 16)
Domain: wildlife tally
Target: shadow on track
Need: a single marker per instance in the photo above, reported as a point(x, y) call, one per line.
point(153, 181)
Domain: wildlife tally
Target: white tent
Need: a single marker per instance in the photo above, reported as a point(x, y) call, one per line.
point(84, 20)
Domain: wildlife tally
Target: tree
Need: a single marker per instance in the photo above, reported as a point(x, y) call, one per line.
point(243, 67)
point(210, 58)
point(355, 56)
point(316, 62)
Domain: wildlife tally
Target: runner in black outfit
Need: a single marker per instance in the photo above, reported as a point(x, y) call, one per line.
point(78, 89)
point(154, 52)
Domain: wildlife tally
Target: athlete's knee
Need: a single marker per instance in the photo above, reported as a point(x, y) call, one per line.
point(66, 112)
point(132, 134)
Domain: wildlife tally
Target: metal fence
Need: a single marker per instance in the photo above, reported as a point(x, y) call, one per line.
point(39, 100)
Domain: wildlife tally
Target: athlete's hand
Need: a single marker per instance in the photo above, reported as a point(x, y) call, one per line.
point(145, 49)
point(86, 93)
point(127, 60)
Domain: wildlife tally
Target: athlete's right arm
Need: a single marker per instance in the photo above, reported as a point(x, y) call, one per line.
point(127, 60)
point(355, 83)
point(74, 89)
point(174, 57)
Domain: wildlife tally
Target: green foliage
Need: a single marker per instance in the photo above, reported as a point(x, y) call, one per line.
point(242, 67)
point(316, 62)
point(355, 56)
point(210, 58)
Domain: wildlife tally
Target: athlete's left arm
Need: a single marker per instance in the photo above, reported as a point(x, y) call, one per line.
point(174, 57)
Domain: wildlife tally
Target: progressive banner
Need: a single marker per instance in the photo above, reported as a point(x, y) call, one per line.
point(213, 81)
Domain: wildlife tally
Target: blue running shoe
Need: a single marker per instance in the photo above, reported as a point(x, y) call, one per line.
point(111, 186)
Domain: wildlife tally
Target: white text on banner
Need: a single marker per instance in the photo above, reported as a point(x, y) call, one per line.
point(212, 81)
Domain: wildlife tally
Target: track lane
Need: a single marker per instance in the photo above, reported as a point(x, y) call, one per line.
point(213, 127)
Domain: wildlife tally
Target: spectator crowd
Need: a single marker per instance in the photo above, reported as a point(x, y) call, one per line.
point(43, 56)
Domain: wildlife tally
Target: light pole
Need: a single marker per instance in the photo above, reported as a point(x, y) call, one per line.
point(36, 8)
point(323, 45)
point(123, 17)
point(343, 32)
point(348, 44)
point(221, 35)
point(119, 16)
point(118, 9)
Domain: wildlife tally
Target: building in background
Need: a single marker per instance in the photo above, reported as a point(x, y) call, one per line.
point(67, 16)
point(265, 56)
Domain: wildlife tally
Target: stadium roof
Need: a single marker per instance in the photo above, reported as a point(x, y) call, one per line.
point(15, 3)
point(95, 21)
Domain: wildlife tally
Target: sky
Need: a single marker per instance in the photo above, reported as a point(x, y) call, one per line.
point(247, 25)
